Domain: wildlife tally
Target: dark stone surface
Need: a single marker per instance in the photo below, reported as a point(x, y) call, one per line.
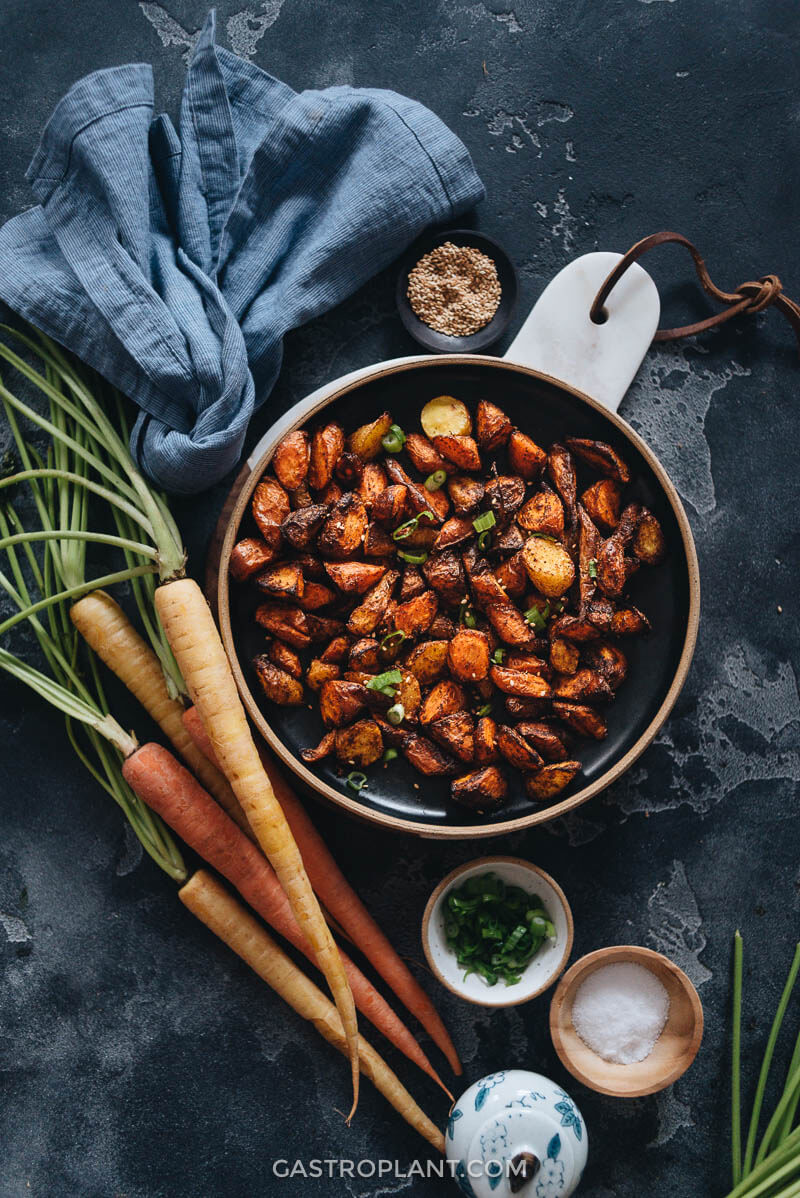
point(138, 1058)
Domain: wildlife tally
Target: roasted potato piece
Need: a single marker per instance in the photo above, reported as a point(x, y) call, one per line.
point(442, 628)
point(544, 739)
point(457, 734)
point(419, 498)
point(345, 528)
point(428, 757)
point(409, 694)
point(361, 744)
point(629, 621)
point(516, 749)
point(445, 416)
point(526, 709)
point(412, 584)
point(249, 556)
point(649, 545)
point(573, 628)
point(423, 456)
point(300, 528)
point(366, 440)
point(505, 495)
point(323, 749)
point(485, 740)
point(564, 655)
point(378, 542)
point(468, 655)
point(603, 502)
point(388, 507)
point(336, 651)
point(277, 685)
point(482, 790)
point(373, 483)
point(550, 780)
point(427, 661)
point(445, 574)
point(465, 493)
point(525, 457)
point(608, 660)
point(561, 469)
point(492, 426)
point(601, 456)
point(284, 580)
point(341, 702)
point(364, 655)
point(520, 683)
point(584, 684)
point(285, 659)
point(270, 507)
point(453, 532)
point(461, 451)
point(320, 628)
point(446, 698)
point(416, 616)
point(512, 576)
point(544, 513)
point(581, 719)
point(320, 672)
point(349, 470)
point(354, 578)
point(330, 494)
point(327, 446)
point(291, 460)
point(316, 595)
point(366, 618)
point(310, 564)
point(550, 568)
point(288, 624)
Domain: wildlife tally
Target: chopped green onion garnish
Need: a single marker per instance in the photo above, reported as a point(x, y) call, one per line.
point(396, 714)
point(484, 539)
point(485, 710)
point(413, 559)
point(498, 656)
point(405, 530)
point(356, 781)
point(468, 618)
point(537, 618)
point(436, 480)
point(393, 640)
point(394, 440)
point(484, 522)
point(593, 567)
point(545, 536)
point(385, 683)
point(495, 930)
point(389, 755)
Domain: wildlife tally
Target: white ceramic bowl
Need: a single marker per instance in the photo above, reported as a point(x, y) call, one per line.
point(545, 967)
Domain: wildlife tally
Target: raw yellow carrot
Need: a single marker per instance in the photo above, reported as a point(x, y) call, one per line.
point(226, 918)
point(106, 628)
point(195, 642)
point(342, 902)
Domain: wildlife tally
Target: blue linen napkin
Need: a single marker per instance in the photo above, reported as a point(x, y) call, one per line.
point(174, 262)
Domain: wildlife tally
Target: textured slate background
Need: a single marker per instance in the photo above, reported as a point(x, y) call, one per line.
point(138, 1058)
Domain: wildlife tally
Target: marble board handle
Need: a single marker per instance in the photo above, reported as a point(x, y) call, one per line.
point(559, 339)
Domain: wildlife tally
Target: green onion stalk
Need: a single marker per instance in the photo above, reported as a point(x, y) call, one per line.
point(772, 1170)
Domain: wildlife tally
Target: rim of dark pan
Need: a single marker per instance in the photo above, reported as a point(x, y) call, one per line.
point(539, 815)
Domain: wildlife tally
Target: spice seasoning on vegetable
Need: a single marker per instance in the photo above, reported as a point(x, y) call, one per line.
point(454, 289)
point(495, 930)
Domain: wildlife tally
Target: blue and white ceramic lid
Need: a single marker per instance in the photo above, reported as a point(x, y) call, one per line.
point(516, 1133)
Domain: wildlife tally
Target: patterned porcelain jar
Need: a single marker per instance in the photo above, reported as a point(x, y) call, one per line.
point(516, 1132)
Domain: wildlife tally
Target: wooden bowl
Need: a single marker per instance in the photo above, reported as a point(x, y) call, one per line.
point(545, 967)
point(674, 1050)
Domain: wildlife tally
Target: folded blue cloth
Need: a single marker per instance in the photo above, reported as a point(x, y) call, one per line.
point(175, 263)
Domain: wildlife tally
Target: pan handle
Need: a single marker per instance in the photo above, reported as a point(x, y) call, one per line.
point(559, 339)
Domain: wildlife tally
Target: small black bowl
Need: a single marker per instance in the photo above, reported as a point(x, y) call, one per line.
point(441, 343)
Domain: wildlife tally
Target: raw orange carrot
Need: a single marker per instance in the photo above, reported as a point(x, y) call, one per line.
point(166, 787)
point(228, 920)
point(343, 903)
point(106, 628)
point(195, 642)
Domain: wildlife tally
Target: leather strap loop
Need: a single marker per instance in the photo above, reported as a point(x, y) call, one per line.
point(748, 298)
